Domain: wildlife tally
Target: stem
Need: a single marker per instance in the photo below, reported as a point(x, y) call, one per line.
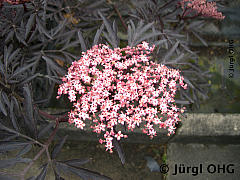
point(166, 4)
point(120, 16)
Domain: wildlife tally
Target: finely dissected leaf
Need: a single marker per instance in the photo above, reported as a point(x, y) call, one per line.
point(82, 42)
point(9, 36)
point(32, 178)
point(11, 162)
point(57, 174)
point(45, 129)
point(77, 162)
point(72, 44)
point(9, 146)
point(12, 116)
point(60, 26)
point(188, 97)
point(141, 30)
point(81, 172)
point(182, 101)
point(20, 38)
point(41, 28)
point(170, 52)
point(17, 109)
point(21, 69)
point(10, 137)
point(188, 82)
point(97, 35)
point(28, 106)
point(5, 99)
point(13, 55)
point(43, 173)
point(58, 147)
point(25, 150)
point(29, 79)
point(201, 39)
point(2, 107)
point(147, 36)
point(2, 177)
point(6, 54)
point(157, 43)
point(54, 65)
point(129, 34)
point(120, 151)
point(2, 69)
point(112, 35)
point(30, 24)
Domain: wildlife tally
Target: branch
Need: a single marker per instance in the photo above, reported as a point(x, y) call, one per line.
point(120, 16)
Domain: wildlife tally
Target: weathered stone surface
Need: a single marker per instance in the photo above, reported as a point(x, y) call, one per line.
point(209, 128)
point(201, 128)
point(207, 156)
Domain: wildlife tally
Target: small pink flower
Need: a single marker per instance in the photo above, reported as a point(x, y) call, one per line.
point(116, 94)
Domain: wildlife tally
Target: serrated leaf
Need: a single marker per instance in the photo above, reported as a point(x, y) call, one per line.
point(170, 52)
point(9, 36)
point(30, 24)
point(189, 83)
point(6, 54)
point(41, 28)
point(97, 35)
point(54, 65)
point(43, 173)
point(178, 101)
point(60, 26)
point(141, 30)
point(82, 42)
point(2, 107)
point(200, 38)
point(147, 36)
point(28, 106)
point(10, 137)
point(29, 79)
point(112, 34)
point(2, 69)
point(45, 129)
point(12, 115)
point(129, 34)
point(20, 38)
point(3, 177)
point(120, 151)
point(188, 97)
point(13, 55)
point(58, 147)
point(81, 172)
point(21, 69)
point(72, 44)
point(77, 162)
point(11, 162)
point(9, 146)
point(15, 103)
point(32, 178)
point(25, 150)
point(5, 99)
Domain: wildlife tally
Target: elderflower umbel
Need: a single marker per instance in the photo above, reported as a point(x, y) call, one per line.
point(204, 8)
point(112, 90)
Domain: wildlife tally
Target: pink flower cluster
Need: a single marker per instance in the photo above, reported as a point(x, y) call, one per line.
point(204, 8)
point(122, 87)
